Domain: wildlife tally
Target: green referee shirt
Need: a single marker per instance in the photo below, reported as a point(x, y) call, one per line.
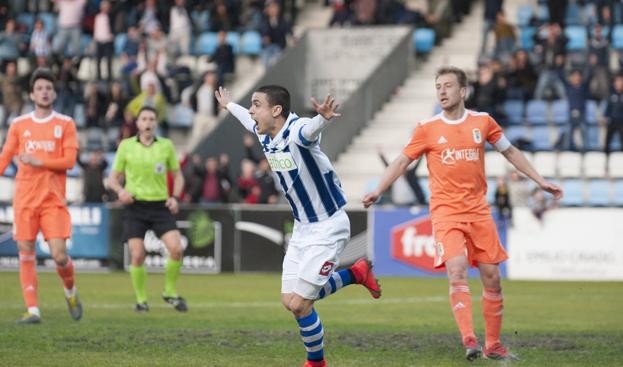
point(145, 167)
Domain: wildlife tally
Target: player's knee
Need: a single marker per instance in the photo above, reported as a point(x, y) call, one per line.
point(285, 301)
point(457, 274)
point(60, 259)
point(176, 252)
point(299, 308)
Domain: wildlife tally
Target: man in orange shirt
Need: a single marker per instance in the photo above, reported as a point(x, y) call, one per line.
point(465, 234)
point(46, 145)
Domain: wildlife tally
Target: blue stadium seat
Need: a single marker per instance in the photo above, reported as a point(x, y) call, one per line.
point(423, 40)
point(513, 133)
point(26, 20)
point(491, 185)
point(573, 14)
point(593, 110)
point(120, 40)
point(617, 37)
point(79, 115)
point(541, 140)
point(560, 112)
point(577, 38)
point(514, 111)
point(536, 112)
point(526, 37)
point(599, 192)
point(574, 193)
point(206, 44)
point(251, 43)
point(593, 138)
point(49, 22)
point(617, 198)
point(233, 39)
point(85, 42)
point(543, 13)
point(524, 13)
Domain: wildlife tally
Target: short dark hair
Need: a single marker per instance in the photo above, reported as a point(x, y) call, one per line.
point(277, 96)
point(460, 74)
point(147, 108)
point(41, 73)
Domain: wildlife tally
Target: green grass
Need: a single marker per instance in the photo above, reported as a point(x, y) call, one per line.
point(237, 320)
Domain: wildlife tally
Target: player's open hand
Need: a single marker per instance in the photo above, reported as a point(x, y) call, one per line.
point(125, 197)
point(370, 199)
point(222, 96)
point(552, 189)
point(30, 159)
point(172, 205)
point(328, 107)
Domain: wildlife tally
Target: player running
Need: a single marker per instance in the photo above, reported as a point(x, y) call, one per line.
point(47, 146)
point(309, 183)
point(465, 233)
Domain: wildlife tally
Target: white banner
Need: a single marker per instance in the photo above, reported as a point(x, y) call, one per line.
point(569, 244)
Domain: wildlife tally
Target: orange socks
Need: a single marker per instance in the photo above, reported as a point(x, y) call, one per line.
point(28, 278)
point(461, 303)
point(67, 274)
point(492, 309)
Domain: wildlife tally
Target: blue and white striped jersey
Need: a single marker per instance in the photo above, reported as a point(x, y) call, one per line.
point(305, 174)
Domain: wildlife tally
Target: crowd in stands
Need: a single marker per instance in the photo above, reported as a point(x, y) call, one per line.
point(111, 57)
point(553, 78)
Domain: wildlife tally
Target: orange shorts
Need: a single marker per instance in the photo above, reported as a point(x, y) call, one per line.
point(53, 221)
point(479, 241)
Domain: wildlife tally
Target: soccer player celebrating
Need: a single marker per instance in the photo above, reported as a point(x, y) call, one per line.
point(465, 233)
point(309, 183)
point(47, 146)
point(144, 161)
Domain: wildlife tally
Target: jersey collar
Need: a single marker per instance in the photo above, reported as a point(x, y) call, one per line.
point(43, 120)
point(138, 139)
point(453, 122)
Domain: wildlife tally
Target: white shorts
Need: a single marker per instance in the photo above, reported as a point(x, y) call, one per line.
point(313, 253)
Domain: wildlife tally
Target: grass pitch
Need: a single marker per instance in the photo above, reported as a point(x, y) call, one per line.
point(237, 320)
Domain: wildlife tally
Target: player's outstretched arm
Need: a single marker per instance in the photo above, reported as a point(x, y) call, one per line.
point(327, 110)
point(9, 150)
point(242, 114)
point(516, 157)
point(392, 172)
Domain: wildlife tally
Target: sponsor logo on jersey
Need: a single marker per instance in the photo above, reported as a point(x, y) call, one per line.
point(27, 134)
point(58, 131)
point(159, 168)
point(449, 156)
point(281, 161)
point(442, 140)
point(32, 146)
point(326, 268)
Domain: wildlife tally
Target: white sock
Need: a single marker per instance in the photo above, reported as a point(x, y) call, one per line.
point(70, 292)
point(34, 311)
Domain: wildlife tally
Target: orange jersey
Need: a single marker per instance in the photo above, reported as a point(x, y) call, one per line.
point(455, 157)
point(51, 140)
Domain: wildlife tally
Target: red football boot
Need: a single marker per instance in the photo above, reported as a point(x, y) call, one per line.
point(362, 270)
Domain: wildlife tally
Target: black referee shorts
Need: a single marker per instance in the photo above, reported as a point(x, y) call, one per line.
point(141, 216)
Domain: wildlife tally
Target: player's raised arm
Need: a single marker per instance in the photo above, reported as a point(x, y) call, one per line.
point(327, 110)
point(396, 169)
point(242, 114)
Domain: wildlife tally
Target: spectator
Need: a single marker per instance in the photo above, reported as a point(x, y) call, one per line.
point(12, 88)
point(223, 57)
point(39, 41)
point(156, 48)
point(117, 102)
point(93, 173)
point(365, 12)
point(95, 105)
point(539, 203)
point(599, 83)
point(203, 100)
point(275, 32)
point(552, 52)
point(492, 7)
point(519, 190)
point(522, 76)
point(254, 195)
point(128, 128)
point(577, 90)
point(151, 19)
point(69, 31)
point(220, 18)
point(246, 181)
point(129, 54)
point(104, 39)
point(151, 75)
point(214, 189)
point(487, 93)
point(193, 179)
point(557, 11)
point(599, 45)
point(180, 29)
point(10, 43)
point(505, 37)
point(266, 183)
point(68, 87)
point(503, 201)
point(614, 113)
point(223, 169)
point(149, 97)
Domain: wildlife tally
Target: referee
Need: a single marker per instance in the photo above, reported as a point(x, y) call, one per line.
point(144, 161)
